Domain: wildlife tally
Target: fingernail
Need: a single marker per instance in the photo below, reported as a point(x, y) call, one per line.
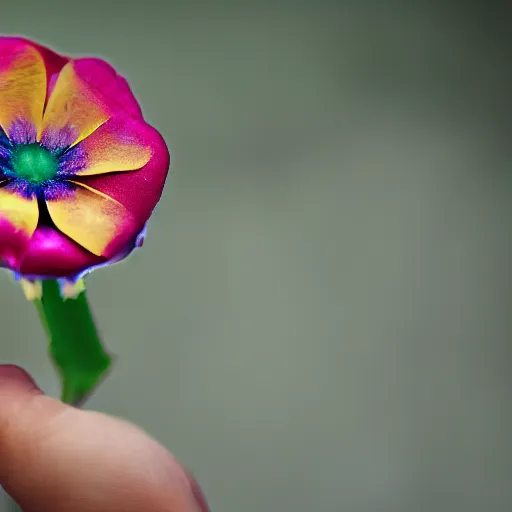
point(198, 494)
point(10, 373)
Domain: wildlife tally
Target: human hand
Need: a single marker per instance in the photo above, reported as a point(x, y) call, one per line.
point(55, 458)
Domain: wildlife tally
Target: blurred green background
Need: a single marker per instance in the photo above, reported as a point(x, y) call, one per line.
point(320, 319)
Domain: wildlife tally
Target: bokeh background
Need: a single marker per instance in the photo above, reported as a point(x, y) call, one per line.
point(321, 317)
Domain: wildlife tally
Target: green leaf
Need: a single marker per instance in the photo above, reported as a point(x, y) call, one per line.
point(75, 346)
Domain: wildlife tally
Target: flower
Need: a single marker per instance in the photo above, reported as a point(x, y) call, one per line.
point(80, 169)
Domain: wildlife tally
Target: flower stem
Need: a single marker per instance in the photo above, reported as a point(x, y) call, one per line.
point(74, 343)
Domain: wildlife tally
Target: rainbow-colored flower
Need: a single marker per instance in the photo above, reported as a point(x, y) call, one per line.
point(80, 169)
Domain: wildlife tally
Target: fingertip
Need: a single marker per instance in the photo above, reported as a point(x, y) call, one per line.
point(29, 431)
point(197, 493)
point(14, 378)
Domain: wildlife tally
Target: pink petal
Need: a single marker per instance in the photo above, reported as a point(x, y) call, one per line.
point(52, 61)
point(93, 220)
point(117, 145)
point(52, 254)
point(138, 191)
point(103, 77)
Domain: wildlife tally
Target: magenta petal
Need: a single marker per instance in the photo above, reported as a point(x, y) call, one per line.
point(139, 191)
point(52, 254)
point(105, 80)
point(52, 61)
point(13, 244)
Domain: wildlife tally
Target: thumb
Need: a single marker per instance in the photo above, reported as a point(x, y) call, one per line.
point(55, 457)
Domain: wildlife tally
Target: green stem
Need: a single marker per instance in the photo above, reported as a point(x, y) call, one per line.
point(74, 342)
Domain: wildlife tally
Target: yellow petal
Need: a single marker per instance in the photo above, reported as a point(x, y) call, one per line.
point(93, 220)
point(22, 86)
point(21, 213)
point(118, 145)
point(18, 221)
point(73, 107)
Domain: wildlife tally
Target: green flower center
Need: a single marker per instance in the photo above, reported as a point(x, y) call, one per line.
point(33, 163)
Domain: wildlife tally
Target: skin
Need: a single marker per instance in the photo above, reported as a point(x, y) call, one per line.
point(55, 457)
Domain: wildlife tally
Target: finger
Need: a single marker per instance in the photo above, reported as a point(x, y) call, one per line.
point(55, 457)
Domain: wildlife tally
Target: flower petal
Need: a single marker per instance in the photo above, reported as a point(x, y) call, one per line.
point(53, 62)
point(53, 254)
point(113, 87)
point(93, 220)
point(118, 145)
point(73, 109)
point(18, 221)
point(138, 191)
point(22, 85)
